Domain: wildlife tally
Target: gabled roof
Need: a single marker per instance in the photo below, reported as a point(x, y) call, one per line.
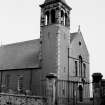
point(20, 55)
point(73, 35)
point(75, 38)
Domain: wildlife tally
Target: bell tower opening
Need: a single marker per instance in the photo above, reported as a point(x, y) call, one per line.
point(67, 20)
point(47, 18)
point(55, 12)
point(62, 18)
point(53, 18)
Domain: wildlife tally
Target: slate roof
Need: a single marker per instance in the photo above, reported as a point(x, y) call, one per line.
point(73, 35)
point(23, 54)
point(20, 55)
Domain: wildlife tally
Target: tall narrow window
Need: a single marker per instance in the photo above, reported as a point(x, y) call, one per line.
point(84, 69)
point(63, 92)
point(76, 68)
point(53, 19)
point(20, 83)
point(7, 81)
point(80, 66)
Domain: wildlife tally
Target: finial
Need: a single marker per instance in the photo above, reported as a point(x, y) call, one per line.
point(79, 28)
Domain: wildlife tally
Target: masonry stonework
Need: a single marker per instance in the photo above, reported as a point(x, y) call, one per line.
point(29, 68)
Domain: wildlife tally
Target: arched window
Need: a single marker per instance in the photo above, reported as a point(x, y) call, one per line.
point(80, 65)
point(76, 68)
point(53, 19)
point(7, 81)
point(84, 69)
point(66, 19)
point(47, 18)
point(62, 17)
point(20, 83)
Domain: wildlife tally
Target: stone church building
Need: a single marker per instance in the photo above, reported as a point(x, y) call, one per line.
point(55, 65)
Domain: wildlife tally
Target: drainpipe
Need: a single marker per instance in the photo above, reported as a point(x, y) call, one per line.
point(1, 82)
point(68, 76)
point(31, 76)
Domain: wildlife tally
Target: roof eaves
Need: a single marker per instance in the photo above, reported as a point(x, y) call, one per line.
point(21, 69)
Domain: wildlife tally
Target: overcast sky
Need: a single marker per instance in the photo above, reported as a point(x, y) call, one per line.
point(20, 21)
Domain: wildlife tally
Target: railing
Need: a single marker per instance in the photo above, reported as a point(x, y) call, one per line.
point(12, 99)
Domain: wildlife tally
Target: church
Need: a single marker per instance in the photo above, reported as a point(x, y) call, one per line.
point(56, 65)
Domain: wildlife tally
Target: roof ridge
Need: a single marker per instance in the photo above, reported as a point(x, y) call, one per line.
point(17, 43)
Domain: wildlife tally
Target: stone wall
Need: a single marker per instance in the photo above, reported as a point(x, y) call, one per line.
point(11, 99)
point(98, 89)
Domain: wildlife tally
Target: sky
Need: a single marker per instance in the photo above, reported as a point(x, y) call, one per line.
point(20, 21)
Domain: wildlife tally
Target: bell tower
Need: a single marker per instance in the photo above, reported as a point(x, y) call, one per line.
point(55, 37)
point(55, 12)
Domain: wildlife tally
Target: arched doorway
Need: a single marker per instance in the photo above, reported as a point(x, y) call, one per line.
point(80, 93)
